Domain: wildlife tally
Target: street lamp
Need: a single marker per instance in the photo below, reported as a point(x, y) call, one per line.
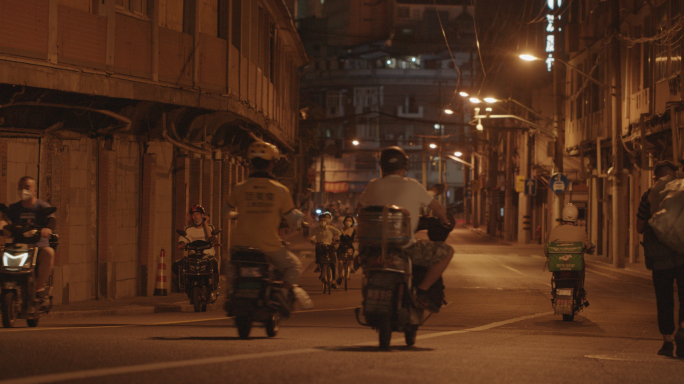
point(458, 153)
point(528, 57)
point(449, 111)
point(433, 146)
point(355, 142)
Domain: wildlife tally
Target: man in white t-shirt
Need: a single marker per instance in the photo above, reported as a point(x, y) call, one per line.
point(395, 189)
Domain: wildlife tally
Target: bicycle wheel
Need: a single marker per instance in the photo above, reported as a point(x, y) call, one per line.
point(345, 269)
point(328, 277)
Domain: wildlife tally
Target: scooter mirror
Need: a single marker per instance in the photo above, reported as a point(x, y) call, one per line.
point(181, 232)
point(4, 209)
point(48, 211)
point(216, 231)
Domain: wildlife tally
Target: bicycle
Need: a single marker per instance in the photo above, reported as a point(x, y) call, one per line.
point(326, 261)
point(346, 258)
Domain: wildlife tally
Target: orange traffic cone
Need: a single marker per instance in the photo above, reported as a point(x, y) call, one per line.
point(159, 288)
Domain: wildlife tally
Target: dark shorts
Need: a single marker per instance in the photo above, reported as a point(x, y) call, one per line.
point(428, 253)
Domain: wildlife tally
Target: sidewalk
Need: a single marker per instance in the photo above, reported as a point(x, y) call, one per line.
point(174, 302)
point(634, 272)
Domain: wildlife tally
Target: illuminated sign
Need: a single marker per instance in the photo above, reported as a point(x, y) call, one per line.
point(550, 29)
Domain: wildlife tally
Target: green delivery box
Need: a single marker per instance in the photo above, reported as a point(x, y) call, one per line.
point(565, 255)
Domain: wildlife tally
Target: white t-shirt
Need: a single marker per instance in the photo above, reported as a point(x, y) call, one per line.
point(197, 233)
point(401, 191)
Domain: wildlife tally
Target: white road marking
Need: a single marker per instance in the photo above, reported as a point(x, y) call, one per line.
point(513, 269)
point(644, 359)
point(102, 372)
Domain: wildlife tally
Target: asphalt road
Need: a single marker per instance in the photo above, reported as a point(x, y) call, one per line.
point(498, 328)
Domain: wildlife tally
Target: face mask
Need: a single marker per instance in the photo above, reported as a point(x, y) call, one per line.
point(347, 224)
point(25, 194)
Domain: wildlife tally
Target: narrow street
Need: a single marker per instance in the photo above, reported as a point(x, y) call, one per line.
point(498, 328)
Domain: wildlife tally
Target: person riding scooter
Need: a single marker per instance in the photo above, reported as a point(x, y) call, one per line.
point(26, 211)
point(198, 229)
point(569, 231)
point(261, 203)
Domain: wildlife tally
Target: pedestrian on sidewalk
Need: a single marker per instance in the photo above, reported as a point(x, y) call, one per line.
point(667, 266)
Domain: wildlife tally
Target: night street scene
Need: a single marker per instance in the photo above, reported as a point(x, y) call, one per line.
point(341, 191)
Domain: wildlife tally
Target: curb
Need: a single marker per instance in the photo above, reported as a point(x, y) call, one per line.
point(138, 310)
point(631, 276)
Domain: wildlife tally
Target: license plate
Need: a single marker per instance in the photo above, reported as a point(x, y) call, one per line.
point(379, 295)
point(564, 292)
point(250, 272)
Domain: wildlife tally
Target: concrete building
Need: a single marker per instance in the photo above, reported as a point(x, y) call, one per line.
point(390, 91)
point(130, 111)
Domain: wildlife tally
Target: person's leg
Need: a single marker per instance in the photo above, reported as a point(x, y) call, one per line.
point(288, 264)
point(436, 256)
point(679, 336)
point(663, 281)
point(45, 262)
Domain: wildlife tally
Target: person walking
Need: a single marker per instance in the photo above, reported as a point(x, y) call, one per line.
point(667, 266)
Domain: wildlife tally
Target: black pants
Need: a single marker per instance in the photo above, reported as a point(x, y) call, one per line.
point(663, 282)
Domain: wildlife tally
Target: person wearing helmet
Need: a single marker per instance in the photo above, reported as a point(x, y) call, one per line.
point(667, 266)
point(394, 188)
point(568, 230)
point(262, 202)
point(323, 236)
point(198, 229)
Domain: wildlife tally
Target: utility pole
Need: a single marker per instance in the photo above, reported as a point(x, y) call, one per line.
point(619, 230)
point(508, 202)
point(524, 218)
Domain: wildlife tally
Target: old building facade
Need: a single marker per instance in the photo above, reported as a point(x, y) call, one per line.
point(130, 111)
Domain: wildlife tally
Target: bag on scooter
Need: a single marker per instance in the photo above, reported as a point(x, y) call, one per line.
point(565, 256)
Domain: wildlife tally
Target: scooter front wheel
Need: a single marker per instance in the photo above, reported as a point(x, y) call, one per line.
point(385, 333)
point(196, 301)
point(410, 335)
point(8, 303)
point(32, 322)
point(568, 317)
point(272, 326)
point(244, 326)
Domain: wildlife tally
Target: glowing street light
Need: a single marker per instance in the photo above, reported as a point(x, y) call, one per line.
point(475, 100)
point(458, 153)
point(490, 100)
point(355, 142)
point(433, 146)
point(464, 94)
point(449, 111)
point(528, 57)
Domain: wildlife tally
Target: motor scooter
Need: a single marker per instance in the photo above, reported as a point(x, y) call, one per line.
point(566, 262)
point(198, 273)
point(18, 272)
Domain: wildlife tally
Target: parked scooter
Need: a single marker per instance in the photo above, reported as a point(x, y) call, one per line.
point(18, 272)
point(566, 262)
point(198, 274)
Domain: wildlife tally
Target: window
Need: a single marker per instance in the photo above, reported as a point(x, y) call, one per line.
point(136, 7)
point(410, 104)
point(367, 99)
point(661, 57)
point(403, 12)
point(222, 20)
point(333, 104)
point(236, 19)
point(189, 8)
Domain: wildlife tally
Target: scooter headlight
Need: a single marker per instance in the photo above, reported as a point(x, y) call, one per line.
point(15, 260)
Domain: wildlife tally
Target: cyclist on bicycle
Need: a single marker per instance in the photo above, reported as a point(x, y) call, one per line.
point(346, 243)
point(323, 238)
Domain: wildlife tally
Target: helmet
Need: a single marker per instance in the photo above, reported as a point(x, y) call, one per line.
point(393, 159)
point(664, 164)
point(326, 213)
point(263, 150)
point(570, 213)
point(197, 208)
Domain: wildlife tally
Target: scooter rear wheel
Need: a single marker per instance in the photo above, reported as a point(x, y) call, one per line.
point(32, 322)
point(568, 317)
point(9, 313)
point(385, 334)
point(244, 325)
point(196, 299)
